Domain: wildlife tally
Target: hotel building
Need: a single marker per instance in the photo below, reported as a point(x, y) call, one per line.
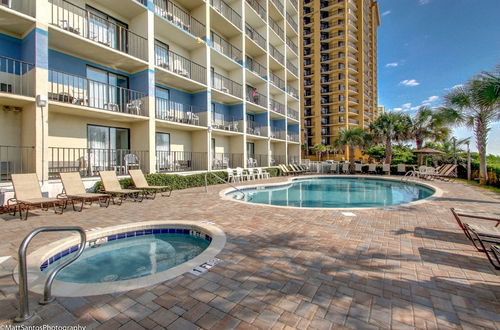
point(339, 68)
point(166, 86)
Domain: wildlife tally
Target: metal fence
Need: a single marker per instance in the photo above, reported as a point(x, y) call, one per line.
point(225, 47)
point(256, 97)
point(227, 160)
point(256, 160)
point(276, 28)
point(225, 10)
point(277, 106)
point(68, 88)
point(292, 22)
point(23, 6)
point(256, 67)
point(226, 85)
point(278, 160)
point(227, 123)
point(279, 5)
point(294, 114)
point(276, 54)
point(180, 65)
point(16, 77)
point(277, 81)
point(180, 161)
point(261, 11)
point(80, 21)
point(255, 36)
point(180, 17)
point(89, 161)
point(278, 134)
point(179, 112)
point(256, 129)
point(16, 159)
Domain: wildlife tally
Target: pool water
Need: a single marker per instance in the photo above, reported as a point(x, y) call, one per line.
point(337, 192)
point(131, 257)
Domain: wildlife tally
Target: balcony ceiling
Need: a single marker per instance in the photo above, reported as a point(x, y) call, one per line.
point(171, 79)
point(126, 8)
point(226, 28)
point(81, 111)
point(169, 31)
point(13, 23)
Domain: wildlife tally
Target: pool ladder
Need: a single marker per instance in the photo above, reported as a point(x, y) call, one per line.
point(223, 181)
point(24, 313)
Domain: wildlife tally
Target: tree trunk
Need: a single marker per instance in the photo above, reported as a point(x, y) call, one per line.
point(420, 156)
point(481, 136)
point(351, 159)
point(388, 152)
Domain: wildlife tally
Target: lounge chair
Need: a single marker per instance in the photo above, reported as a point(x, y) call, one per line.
point(296, 168)
point(263, 174)
point(489, 242)
point(386, 168)
point(287, 171)
point(402, 169)
point(372, 168)
point(446, 173)
point(112, 187)
point(240, 173)
point(358, 168)
point(27, 193)
point(140, 183)
point(74, 190)
point(459, 216)
point(346, 168)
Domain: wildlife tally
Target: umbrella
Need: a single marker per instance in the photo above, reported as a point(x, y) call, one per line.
point(426, 151)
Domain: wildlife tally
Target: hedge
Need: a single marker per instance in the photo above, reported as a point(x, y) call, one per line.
point(178, 182)
point(493, 173)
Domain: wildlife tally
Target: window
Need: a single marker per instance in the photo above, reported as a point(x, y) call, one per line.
point(250, 149)
point(162, 54)
point(108, 145)
point(163, 142)
point(105, 89)
point(107, 30)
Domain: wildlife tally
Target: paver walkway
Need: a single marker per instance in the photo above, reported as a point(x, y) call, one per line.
point(404, 267)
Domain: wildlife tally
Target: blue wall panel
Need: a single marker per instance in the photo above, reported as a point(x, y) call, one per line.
point(10, 47)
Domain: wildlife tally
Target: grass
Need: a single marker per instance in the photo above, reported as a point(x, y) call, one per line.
point(476, 184)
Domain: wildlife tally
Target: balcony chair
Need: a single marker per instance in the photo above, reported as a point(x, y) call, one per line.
point(74, 190)
point(134, 107)
point(252, 162)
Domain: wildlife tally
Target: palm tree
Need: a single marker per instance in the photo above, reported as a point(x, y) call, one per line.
point(477, 105)
point(391, 127)
point(329, 148)
point(318, 149)
point(428, 124)
point(352, 138)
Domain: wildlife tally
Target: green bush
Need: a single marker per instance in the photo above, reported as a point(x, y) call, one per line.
point(178, 182)
point(493, 173)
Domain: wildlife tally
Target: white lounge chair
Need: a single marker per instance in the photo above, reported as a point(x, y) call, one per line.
point(263, 174)
point(386, 168)
point(345, 168)
point(402, 169)
point(358, 168)
point(372, 168)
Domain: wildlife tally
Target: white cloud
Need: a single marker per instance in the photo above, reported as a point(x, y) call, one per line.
point(424, 2)
point(385, 13)
point(409, 82)
point(392, 65)
point(405, 108)
point(453, 87)
point(430, 100)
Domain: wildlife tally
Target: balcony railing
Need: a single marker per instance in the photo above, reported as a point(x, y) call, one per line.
point(261, 11)
point(256, 129)
point(15, 160)
point(276, 28)
point(278, 160)
point(16, 77)
point(278, 133)
point(81, 22)
point(89, 161)
point(295, 4)
point(293, 92)
point(294, 114)
point(276, 54)
point(179, 112)
point(255, 36)
point(293, 137)
point(226, 85)
point(256, 67)
point(256, 160)
point(180, 17)
point(294, 159)
point(180, 161)
point(277, 106)
point(227, 123)
point(23, 6)
point(225, 47)
point(256, 98)
point(292, 22)
point(68, 88)
point(278, 5)
point(227, 160)
point(277, 81)
point(225, 10)
point(292, 45)
point(290, 66)
point(180, 65)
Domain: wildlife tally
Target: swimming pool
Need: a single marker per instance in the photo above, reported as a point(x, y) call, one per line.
point(335, 192)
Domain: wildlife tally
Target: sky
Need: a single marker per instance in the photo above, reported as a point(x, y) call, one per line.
point(426, 47)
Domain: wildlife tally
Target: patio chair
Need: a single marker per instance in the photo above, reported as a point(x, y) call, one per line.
point(231, 177)
point(372, 168)
point(134, 107)
point(446, 173)
point(386, 168)
point(240, 173)
point(489, 242)
point(402, 169)
point(493, 228)
point(131, 161)
point(263, 174)
point(27, 193)
point(112, 187)
point(358, 168)
point(140, 183)
point(74, 190)
point(345, 168)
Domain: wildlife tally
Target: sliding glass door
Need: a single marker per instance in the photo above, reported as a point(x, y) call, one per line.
point(107, 145)
point(107, 89)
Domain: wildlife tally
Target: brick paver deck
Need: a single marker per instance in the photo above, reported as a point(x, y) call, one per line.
point(404, 267)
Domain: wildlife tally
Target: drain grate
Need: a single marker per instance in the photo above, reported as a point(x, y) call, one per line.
point(204, 267)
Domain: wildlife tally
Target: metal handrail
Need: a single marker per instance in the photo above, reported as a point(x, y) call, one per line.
point(223, 181)
point(24, 313)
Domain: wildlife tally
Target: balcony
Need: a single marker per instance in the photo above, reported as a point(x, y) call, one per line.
point(17, 16)
point(255, 36)
point(256, 129)
point(293, 92)
point(276, 54)
point(222, 161)
point(279, 5)
point(292, 45)
point(226, 11)
point(255, 160)
point(180, 66)
point(226, 123)
point(278, 160)
point(277, 106)
point(179, 17)
point(176, 112)
point(180, 161)
point(293, 137)
point(290, 66)
point(15, 160)
point(89, 161)
point(223, 46)
point(292, 22)
point(226, 85)
point(276, 81)
point(256, 98)
point(276, 28)
point(293, 114)
point(80, 22)
point(255, 5)
point(80, 91)
point(16, 77)
point(278, 133)
point(295, 4)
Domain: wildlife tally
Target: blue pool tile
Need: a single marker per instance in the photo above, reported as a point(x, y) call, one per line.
point(139, 233)
point(57, 257)
point(178, 231)
point(45, 263)
point(185, 231)
point(148, 232)
point(112, 238)
point(51, 260)
point(74, 248)
point(131, 234)
point(64, 253)
point(171, 230)
point(156, 231)
point(120, 236)
point(164, 231)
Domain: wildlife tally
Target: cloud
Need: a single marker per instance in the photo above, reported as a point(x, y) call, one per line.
point(409, 82)
point(453, 87)
point(430, 100)
point(385, 13)
point(405, 108)
point(424, 2)
point(392, 65)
